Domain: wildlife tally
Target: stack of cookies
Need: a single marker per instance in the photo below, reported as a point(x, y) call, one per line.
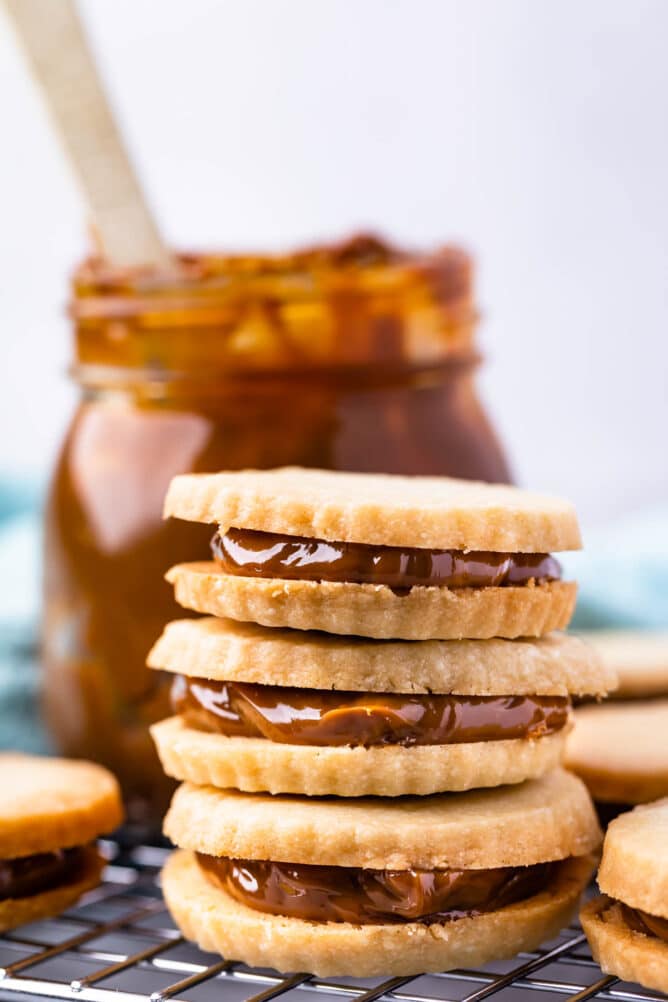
point(369, 723)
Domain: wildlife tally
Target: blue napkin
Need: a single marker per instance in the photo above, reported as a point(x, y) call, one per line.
point(623, 573)
point(20, 571)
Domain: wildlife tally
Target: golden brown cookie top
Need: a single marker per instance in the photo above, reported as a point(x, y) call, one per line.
point(426, 512)
point(222, 649)
point(540, 820)
point(640, 658)
point(620, 749)
point(54, 803)
point(634, 868)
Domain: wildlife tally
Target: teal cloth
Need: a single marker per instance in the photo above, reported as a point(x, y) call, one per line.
point(623, 578)
point(20, 544)
point(623, 573)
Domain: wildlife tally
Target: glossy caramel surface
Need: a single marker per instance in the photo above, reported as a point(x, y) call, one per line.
point(317, 717)
point(342, 894)
point(251, 553)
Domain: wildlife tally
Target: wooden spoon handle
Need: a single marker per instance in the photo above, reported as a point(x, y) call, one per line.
point(58, 53)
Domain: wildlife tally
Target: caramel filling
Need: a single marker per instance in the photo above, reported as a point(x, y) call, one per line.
point(29, 875)
point(650, 925)
point(350, 894)
point(270, 555)
point(319, 717)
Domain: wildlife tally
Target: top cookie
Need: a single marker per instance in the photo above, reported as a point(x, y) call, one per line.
point(639, 657)
point(533, 822)
point(634, 868)
point(556, 665)
point(420, 512)
point(54, 803)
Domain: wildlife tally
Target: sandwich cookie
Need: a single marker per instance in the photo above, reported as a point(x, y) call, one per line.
point(620, 750)
point(52, 811)
point(377, 887)
point(639, 657)
point(285, 711)
point(627, 927)
point(375, 555)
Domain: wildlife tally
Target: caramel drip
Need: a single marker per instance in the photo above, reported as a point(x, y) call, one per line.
point(328, 718)
point(271, 555)
point(29, 875)
point(349, 894)
point(650, 925)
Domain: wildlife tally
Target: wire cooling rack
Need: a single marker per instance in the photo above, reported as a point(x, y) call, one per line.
point(119, 944)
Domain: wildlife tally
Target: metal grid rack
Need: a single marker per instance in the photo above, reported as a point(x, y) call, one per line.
point(120, 945)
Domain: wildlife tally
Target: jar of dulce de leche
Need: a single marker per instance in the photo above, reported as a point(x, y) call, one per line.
point(350, 357)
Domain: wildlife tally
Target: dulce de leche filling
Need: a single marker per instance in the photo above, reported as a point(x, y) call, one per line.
point(271, 555)
point(319, 717)
point(29, 875)
point(650, 925)
point(351, 894)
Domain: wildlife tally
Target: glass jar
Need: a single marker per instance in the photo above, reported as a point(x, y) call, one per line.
point(350, 357)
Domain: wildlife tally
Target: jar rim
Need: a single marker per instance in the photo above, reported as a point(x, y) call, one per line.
point(153, 381)
point(364, 266)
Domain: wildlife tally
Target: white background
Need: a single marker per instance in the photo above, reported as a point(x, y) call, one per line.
point(535, 131)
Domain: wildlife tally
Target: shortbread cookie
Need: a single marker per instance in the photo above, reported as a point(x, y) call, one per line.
point(16, 911)
point(432, 512)
point(220, 924)
point(225, 650)
point(544, 819)
point(620, 750)
point(375, 610)
point(377, 556)
point(255, 764)
point(52, 810)
point(379, 887)
point(627, 927)
point(639, 658)
point(435, 716)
